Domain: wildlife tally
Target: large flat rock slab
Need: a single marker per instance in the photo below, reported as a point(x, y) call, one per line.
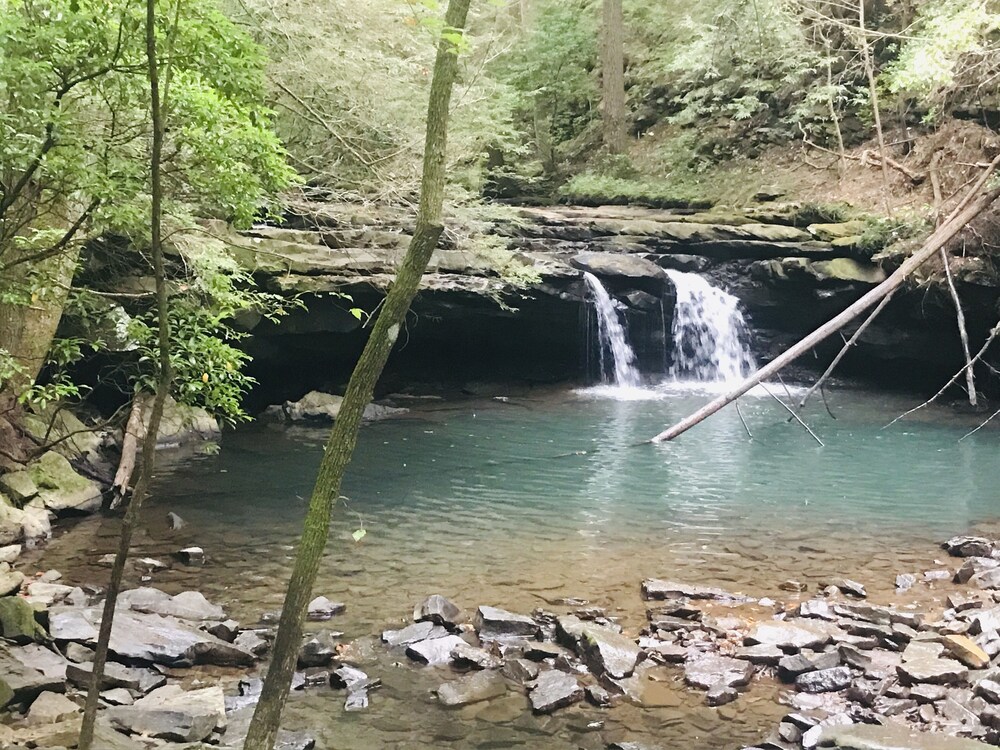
point(148, 637)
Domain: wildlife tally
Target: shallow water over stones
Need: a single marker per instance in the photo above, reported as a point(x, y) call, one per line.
point(546, 501)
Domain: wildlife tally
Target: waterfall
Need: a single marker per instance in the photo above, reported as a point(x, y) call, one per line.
point(612, 342)
point(711, 337)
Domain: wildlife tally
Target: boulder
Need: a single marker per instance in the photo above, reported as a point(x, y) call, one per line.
point(969, 546)
point(493, 623)
point(824, 680)
point(472, 688)
point(47, 594)
point(708, 671)
point(435, 650)
point(147, 637)
point(10, 580)
point(788, 636)
point(17, 621)
point(18, 486)
point(316, 652)
point(191, 555)
point(608, 652)
point(636, 271)
point(552, 690)
point(9, 553)
point(438, 610)
point(49, 708)
point(183, 424)
point(171, 713)
point(317, 406)
point(187, 605)
point(973, 566)
point(60, 488)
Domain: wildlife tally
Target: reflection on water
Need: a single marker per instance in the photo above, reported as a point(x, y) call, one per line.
point(521, 503)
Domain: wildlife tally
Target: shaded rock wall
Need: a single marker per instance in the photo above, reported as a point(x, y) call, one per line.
point(468, 323)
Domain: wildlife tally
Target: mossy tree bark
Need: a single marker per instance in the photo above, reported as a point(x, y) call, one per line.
point(343, 438)
point(613, 76)
point(162, 386)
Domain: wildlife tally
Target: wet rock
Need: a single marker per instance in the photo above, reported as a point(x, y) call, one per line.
point(968, 546)
point(10, 581)
point(227, 630)
point(607, 652)
point(598, 696)
point(794, 586)
point(930, 576)
point(520, 671)
point(17, 621)
point(656, 589)
point(553, 690)
point(316, 652)
point(987, 579)
point(175, 522)
point(188, 605)
point(891, 736)
point(788, 636)
point(824, 680)
point(673, 653)
point(147, 637)
point(251, 640)
point(935, 671)
point(966, 651)
point(541, 650)
point(435, 650)
point(471, 656)
point(438, 610)
point(817, 608)
point(719, 695)
point(636, 270)
point(708, 671)
point(10, 553)
point(60, 488)
point(849, 587)
point(49, 708)
point(191, 556)
point(973, 566)
point(239, 721)
point(357, 700)
point(78, 653)
point(321, 609)
point(905, 581)
point(173, 714)
point(472, 688)
point(493, 623)
point(413, 633)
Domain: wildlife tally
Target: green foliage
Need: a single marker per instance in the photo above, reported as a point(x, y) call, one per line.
point(880, 233)
point(590, 189)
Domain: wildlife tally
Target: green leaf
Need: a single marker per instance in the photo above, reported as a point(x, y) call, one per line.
point(357, 312)
point(359, 535)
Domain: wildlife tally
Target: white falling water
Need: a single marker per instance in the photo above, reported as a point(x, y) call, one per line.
point(612, 343)
point(711, 337)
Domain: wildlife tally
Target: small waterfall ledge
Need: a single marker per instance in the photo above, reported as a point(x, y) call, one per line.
point(617, 358)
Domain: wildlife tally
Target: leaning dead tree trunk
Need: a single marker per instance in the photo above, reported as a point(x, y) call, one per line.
point(967, 210)
point(132, 435)
point(162, 387)
point(970, 377)
point(343, 438)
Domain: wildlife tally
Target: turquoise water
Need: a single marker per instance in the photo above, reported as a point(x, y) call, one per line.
point(521, 502)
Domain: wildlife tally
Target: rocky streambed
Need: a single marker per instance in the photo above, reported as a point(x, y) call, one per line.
point(849, 674)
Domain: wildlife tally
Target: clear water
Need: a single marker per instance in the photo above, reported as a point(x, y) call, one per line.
point(521, 503)
point(710, 336)
point(617, 357)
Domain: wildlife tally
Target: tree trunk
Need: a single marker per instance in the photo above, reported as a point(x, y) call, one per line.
point(343, 438)
point(162, 388)
point(613, 76)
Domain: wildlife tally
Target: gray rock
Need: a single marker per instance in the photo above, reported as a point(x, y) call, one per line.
point(60, 488)
point(227, 630)
point(493, 623)
point(175, 522)
point(78, 653)
point(708, 671)
point(653, 588)
point(45, 659)
point(472, 688)
point(974, 565)
point(239, 722)
point(989, 690)
point(188, 605)
point(818, 608)
point(620, 265)
point(191, 556)
point(322, 608)
point(891, 736)
point(10, 581)
point(987, 579)
point(763, 653)
point(413, 633)
point(935, 671)
point(598, 696)
point(824, 680)
point(357, 700)
point(520, 671)
point(719, 695)
point(438, 610)
point(849, 587)
point(252, 641)
point(986, 621)
point(49, 708)
point(316, 652)
point(115, 676)
point(10, 553)
point(905, 581)
point(147, 637)
point(607, 652)
point(968, 546)
point(788, 636)
point(471, 656)
point(117, 697)
point(553, 690)
point(435, 650)
point(171, 713)
point(22, 683)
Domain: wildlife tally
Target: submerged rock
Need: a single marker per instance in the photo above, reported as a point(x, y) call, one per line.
point(435, 650)
point(653, 588)
point(891, 736)
point(552, 690)
point(472, 688)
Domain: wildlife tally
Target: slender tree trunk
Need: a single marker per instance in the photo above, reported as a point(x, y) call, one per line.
point(613, 76)
point(866, 56)
point(162, 387)
point(343, 438)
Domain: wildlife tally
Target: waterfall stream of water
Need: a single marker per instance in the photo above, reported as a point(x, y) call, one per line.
point(616, 356)
point(711, 337)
